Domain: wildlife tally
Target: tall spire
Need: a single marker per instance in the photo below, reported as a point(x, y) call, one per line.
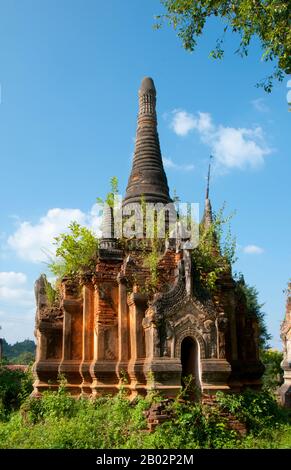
point(208, 179)
point(207, 218)
point(147, 178)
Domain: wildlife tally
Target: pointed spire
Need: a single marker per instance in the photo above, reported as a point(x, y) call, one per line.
point(208, 178)
point(207, 218)
point(147, 176)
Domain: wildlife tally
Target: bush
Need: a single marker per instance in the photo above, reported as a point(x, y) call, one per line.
point(60, 421)
point(257, 410)
point(273, 376)
point(15, 387)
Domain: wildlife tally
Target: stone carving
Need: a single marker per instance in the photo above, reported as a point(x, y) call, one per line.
point(209, 337)
point(222, 323)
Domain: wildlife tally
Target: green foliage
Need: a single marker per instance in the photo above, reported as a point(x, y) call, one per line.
point(256, 410)
point(111, 195)
point(254, 309)
point(215, 253)
point(151, 261)
point(151, 252)
point(15, 386)
point(268, 20)
point(24, 358)
point(19, 351)
point(50, 291)
point(60, 421)
point(76, 252)
point(272, 359)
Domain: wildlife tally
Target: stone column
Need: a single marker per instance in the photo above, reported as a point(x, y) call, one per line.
point(137, 305)
point(72, 337)
point(103, 366)
point(41, 351)
point(88, 337)
point(67, 333)
point(123, 332)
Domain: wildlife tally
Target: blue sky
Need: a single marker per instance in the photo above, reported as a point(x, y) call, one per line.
point(69, 74)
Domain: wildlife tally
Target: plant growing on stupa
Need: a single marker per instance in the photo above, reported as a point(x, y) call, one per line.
point(216, 251)
point(76, 252)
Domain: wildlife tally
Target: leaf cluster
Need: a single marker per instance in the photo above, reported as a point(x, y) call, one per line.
point(268, 20)
point(76, 253)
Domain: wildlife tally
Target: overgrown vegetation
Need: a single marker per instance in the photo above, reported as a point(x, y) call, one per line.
point(58, 420)
point(273, 376)
point(51, 292)
point(110, 198)
point(76, 252)
point(151, 253)
point(215, 253)
point(15, 387)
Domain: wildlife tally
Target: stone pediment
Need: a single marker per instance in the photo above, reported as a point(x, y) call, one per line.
point(177, 303)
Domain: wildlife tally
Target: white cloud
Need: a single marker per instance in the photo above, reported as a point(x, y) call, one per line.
point(183, 122)
point(17, 301)
point(13, 290)
point(168, 163)
point(238, 148)
point(10, 279)
point(31, 241)
point(16, 296)
point(253, 250)
point(260, 105)
point(232, 147)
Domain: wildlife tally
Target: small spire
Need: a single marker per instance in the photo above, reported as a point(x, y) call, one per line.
point(107, 222)
point(208, 178)
point(207, 218)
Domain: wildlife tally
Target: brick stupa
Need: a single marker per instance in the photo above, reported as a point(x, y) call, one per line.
point(110, 330)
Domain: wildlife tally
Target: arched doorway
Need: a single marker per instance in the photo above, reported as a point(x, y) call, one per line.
point(190, 368)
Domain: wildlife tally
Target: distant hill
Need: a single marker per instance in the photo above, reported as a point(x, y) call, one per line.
point(19, 353)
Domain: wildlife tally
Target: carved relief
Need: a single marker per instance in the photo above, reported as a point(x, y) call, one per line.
point(150, 326)
point(176, 310)
point(209, 337)
point(108, 332)
point(221, 324)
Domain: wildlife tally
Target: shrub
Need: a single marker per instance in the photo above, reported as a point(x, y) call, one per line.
point(60, 421)
point(15, 387)
point(257, 410)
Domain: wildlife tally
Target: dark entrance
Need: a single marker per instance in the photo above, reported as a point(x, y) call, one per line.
point(190, 368)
